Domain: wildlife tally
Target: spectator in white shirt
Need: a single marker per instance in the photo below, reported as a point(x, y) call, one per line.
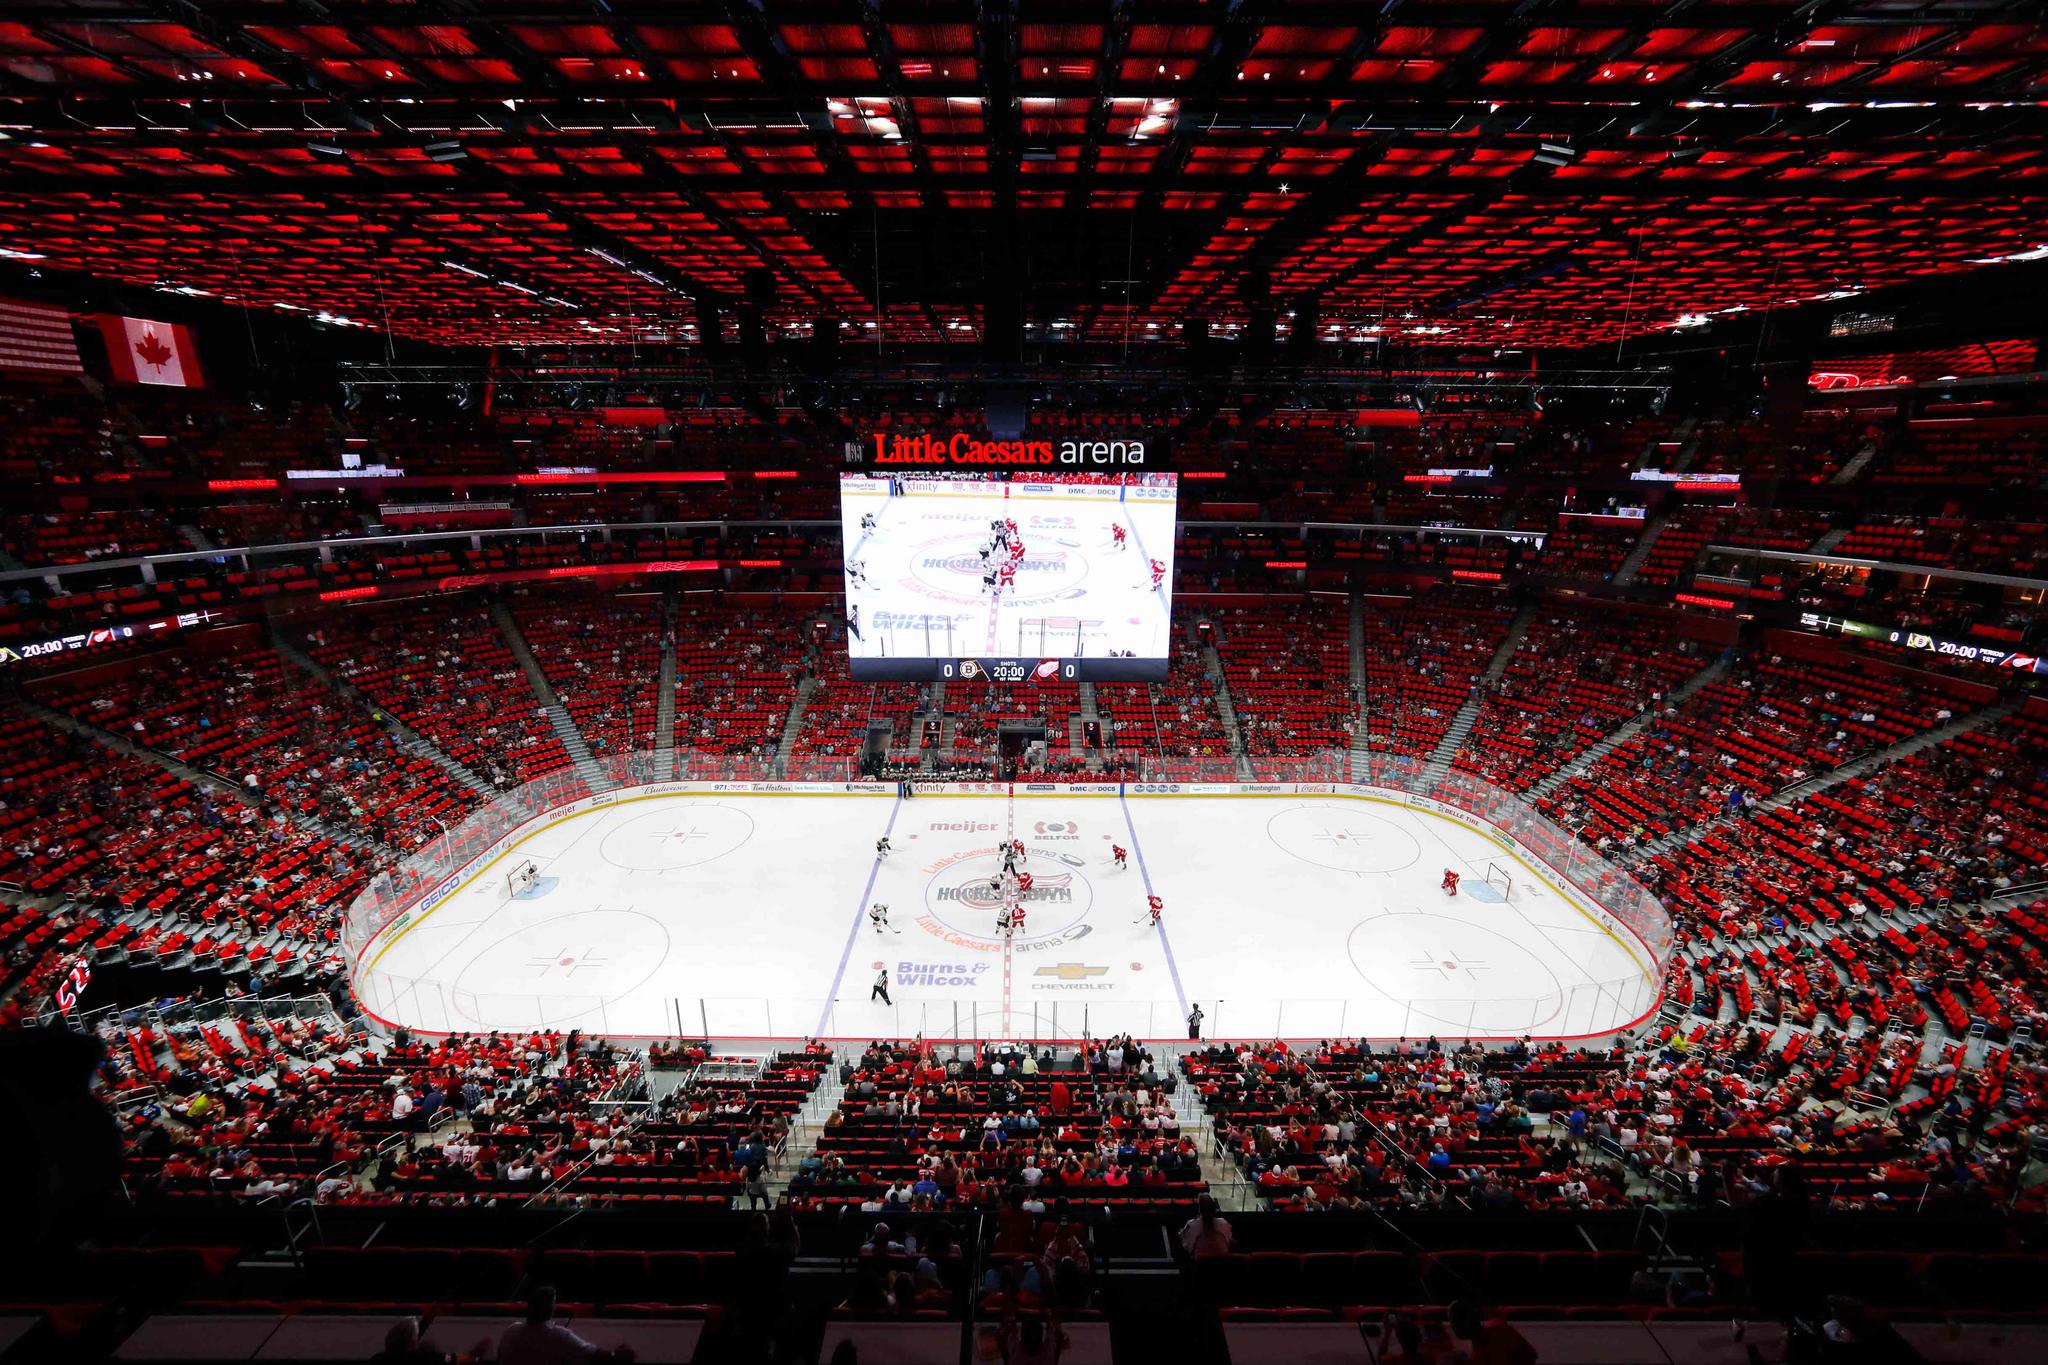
point(540, 1340)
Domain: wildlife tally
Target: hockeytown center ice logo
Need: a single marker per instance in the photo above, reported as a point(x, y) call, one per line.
point(980, 893)
point(963, 901)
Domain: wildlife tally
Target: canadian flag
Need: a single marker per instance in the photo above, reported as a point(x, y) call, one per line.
point(142, 351)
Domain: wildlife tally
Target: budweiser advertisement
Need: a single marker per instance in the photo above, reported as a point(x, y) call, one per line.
point(144, 351)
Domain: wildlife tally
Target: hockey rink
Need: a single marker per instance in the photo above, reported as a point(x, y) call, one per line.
point(916, 576)
point(746, 914)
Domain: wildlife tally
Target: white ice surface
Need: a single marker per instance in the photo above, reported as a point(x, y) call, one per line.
point(745, 915)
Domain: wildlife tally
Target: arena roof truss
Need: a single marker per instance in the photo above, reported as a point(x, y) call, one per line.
point(1547, 173)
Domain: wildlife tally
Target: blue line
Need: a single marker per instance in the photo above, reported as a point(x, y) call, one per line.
point(1165, 603)
point(1160, 927)
point(853, 934)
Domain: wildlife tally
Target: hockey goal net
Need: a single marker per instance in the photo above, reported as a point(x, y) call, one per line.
point(1501, 880)
point(521, 879)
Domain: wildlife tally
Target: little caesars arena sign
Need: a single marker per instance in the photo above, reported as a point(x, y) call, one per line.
point(964, 449)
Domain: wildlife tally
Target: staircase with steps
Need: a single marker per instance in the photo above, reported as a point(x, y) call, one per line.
point(198, 777)
point(793, 723)
point(410, 741)
point(1857, 463)
point(804, 1131)
point(1233, 1193)
point(195, 537)
point(1077, 738)
point(1361, 744)
point(1828, 541)
point(942, 748)
point(1468, 715)
point(1877, 758)
point(1583, 764)
point(1684, 432)
point(1212, 668)
point(665, 693)
point(1857, 767)
point(1640, 553)
point(564, 724)
point(934, 709)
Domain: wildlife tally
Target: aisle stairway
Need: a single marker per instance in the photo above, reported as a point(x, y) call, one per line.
point(1828, 541)
point(1219, 1170)
point(199, 777)
point(1867, 763)
point(665, 694)
point(1361, 742)
point(1856, 464)
point(1878, 758)
point(564, 725)
point(1212, 667)
point(1686, 434)
point(793, 723)
point(1640, 554)
point(410, 741)
point(1584, 762)
point(1468, 715)
point(805, 1128)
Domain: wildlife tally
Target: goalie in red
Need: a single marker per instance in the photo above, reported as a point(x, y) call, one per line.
point(1450, 882)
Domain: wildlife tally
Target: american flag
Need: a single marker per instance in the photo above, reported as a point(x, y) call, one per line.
point(35, 336)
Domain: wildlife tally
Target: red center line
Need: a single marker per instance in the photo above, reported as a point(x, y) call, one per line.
point(1010, 902)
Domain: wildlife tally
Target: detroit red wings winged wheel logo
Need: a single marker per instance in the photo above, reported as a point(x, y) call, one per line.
point(153, 351)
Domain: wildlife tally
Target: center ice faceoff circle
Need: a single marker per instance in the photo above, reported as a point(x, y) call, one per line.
point(671, 837)
point(1344, 839)
point(958, 897)
point(952, 565)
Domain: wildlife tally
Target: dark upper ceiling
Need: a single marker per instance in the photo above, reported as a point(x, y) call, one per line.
point(1486, 173)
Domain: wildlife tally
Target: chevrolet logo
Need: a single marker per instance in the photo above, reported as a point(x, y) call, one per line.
point(1072, 971)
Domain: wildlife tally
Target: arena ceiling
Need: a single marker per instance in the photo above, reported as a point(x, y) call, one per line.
point(1539, 173)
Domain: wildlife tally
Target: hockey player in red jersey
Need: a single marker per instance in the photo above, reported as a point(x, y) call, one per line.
point(1116, 534)
point(1450, 882)
point(1119, 854)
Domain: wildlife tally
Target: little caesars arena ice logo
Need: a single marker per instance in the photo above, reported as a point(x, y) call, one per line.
point(961, 904)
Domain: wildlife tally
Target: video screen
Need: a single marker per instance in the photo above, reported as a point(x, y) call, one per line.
point(1032, 576)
